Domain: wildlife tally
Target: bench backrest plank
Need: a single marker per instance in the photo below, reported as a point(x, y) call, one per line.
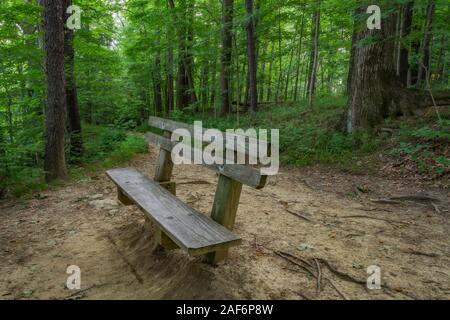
point(245, 174)
point(247, 143)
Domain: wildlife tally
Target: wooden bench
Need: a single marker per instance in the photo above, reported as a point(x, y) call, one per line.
point(178, 225)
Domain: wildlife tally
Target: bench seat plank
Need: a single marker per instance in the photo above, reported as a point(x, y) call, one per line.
point(188, 228)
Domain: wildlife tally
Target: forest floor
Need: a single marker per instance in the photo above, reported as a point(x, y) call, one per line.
point(325, 216)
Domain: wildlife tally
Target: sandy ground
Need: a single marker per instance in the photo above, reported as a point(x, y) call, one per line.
point(314, 215)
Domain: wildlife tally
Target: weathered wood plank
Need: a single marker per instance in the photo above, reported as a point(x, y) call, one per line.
point(226, 202)
point(248, 144)
point(245, 174)
point(164, 165)
point(163, 174)
point(189, 229)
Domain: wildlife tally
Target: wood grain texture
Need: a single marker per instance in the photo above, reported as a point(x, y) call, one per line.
point(241, 142)
point(226, 202)
point(190, 230)
point(245, 174)
point(164, 165)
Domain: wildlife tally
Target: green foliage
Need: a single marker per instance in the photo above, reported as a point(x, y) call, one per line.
point(426, 144)
point(115, 69)
point(109, 145)
point(21, 166)
point(306, 136)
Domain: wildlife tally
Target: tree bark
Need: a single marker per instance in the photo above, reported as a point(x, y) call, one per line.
point(55, 161)
point(374, 91)
point(312, 74)
point(226, 55)
point(157, 80)
point(404, 51)
point(299, 52)
point(269, 81)
point(424, 66)
point(182, 83)
point(251, 55)
point(73, 113)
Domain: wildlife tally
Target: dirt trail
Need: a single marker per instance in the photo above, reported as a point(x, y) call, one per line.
point(311, 213)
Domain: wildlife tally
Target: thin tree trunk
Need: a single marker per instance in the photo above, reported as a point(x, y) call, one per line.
point(189, 61)
point(424, 66)
point(251, 55)
point(182, 83)
point(169, 65)
point(269, 81)
point(204, 84)
point(262, 75)
point(312, 78)
point(288, 73)
point(299, 52)
point(280, 61)
point(404, 51)
point(226, 55)
point(157, 70)
point(441, 58)
point(55, 160)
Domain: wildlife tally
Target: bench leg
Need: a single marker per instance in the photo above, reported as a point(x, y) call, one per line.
point(161, 238)
point(164, 241)
point(226, 202)
point(123, 198)
point(170, 186)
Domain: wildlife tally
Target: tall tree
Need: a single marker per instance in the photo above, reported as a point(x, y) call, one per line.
point(226, 55)
point(314, 59)
point(183, 73)
point(424, 64)
point(299, 54)
point(407, 19)
point(170, 99)
point(55, 161)
point(73, 112)
point(374, 90)
point(157, 80)
point(251, 55)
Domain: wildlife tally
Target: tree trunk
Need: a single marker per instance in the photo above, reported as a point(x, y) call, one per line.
point(157, 70)
point(299, 52)
point(251, 54)
point(280, 58)
point(55, 161)
point(312, 74)
point(182, 84)
point(189, 59)
point(262, 75)
point(404, 52)
point(288, 73)
point(269, 81)
point(170, 99)
point(205, 84)
point(424, 65)
point(374, 91)
point(73, 113)
point(226, 55)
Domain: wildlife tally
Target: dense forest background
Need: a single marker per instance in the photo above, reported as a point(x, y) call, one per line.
point(308, 67)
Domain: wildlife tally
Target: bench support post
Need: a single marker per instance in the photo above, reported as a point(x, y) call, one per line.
point(123, 198)
point(226, 202)
point(164, 241)
point(169, 186)
point(163, 174)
